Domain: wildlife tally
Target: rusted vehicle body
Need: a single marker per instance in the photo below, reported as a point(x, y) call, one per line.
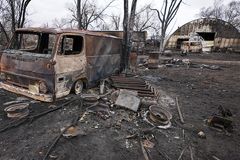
point(46, 64)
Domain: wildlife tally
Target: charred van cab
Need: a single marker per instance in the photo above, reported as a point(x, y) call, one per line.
point(46, 64)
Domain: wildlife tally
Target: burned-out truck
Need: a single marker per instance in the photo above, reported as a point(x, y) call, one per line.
point(46, 64)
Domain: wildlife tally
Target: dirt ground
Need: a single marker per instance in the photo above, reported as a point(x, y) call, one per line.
point(200, 92)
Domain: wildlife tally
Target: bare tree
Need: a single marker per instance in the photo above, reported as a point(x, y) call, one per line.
point(12, 15)
point(3, 21)
point(213, 12)
point(232, 13)
point(115, 21)
point(218, 8)
point(125, 55)
point(166, 15)
point(206, 12)
point(145, 19)
point(229, 13)
point(86, 12)
point(17, 11)
point(128, 25)
point(102, 26)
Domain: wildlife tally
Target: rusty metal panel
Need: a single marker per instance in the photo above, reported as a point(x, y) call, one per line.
point(138, 39)
point(103, 56)
point(138, 36)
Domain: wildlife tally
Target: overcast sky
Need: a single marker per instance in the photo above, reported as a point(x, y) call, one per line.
point(45, 11)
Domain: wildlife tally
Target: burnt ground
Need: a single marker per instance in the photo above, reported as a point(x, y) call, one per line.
point(200, 92)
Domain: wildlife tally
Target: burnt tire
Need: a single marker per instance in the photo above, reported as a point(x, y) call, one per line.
point(78, 87)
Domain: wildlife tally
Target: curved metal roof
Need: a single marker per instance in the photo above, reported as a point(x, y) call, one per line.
point(222, 28)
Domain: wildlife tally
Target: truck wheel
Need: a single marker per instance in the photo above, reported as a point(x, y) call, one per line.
point(78, 87)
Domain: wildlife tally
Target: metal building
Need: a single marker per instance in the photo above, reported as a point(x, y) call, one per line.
point(205, 34)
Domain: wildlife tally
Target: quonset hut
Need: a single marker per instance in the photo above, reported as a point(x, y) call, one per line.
point(205, 34)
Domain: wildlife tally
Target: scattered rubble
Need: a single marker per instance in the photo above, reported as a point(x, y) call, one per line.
point(175, 63)
point(212, 67)
point(72, 132)
point(149, 103)
point(222, 121)
point(100, 109)
point(224, 111)
point(22, 120)
point(201, 134)
point(148, 144)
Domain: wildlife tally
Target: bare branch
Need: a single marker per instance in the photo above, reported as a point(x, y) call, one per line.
point(229, 12)
point(86, 12)
point(13, 15)
point(4, 32)
point(165, 16)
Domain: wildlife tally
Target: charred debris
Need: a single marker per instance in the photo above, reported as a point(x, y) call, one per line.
point(52, 66)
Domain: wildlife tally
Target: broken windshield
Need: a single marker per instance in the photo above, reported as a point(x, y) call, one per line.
point(35, 43)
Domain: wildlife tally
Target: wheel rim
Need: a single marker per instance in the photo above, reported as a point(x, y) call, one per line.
point(78, 87)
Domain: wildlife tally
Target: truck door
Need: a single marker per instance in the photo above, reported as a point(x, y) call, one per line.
point(70, 63)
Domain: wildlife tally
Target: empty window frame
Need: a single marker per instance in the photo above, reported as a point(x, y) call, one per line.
point(71, 45)
point(39, 43)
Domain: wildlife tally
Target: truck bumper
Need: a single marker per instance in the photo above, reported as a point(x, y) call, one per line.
point(27, 93)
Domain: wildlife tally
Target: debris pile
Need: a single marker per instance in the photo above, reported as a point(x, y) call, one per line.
point(120, 100)
point(175, 63)
point(221, 121)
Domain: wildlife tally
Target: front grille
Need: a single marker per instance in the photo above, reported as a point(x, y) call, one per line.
point(20, 81)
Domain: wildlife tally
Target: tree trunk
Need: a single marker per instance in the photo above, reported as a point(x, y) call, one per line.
point(162, 38)
point(131, 25)
point(24, 13)
point(79, 14)
point(20, 15)
point(124, 60)
point(128, 24)
point(13, 21)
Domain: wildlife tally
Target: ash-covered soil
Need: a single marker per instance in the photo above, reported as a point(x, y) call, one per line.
point(200, 92)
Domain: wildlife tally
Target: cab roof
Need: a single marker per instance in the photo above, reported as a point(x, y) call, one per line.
point(60, 31)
